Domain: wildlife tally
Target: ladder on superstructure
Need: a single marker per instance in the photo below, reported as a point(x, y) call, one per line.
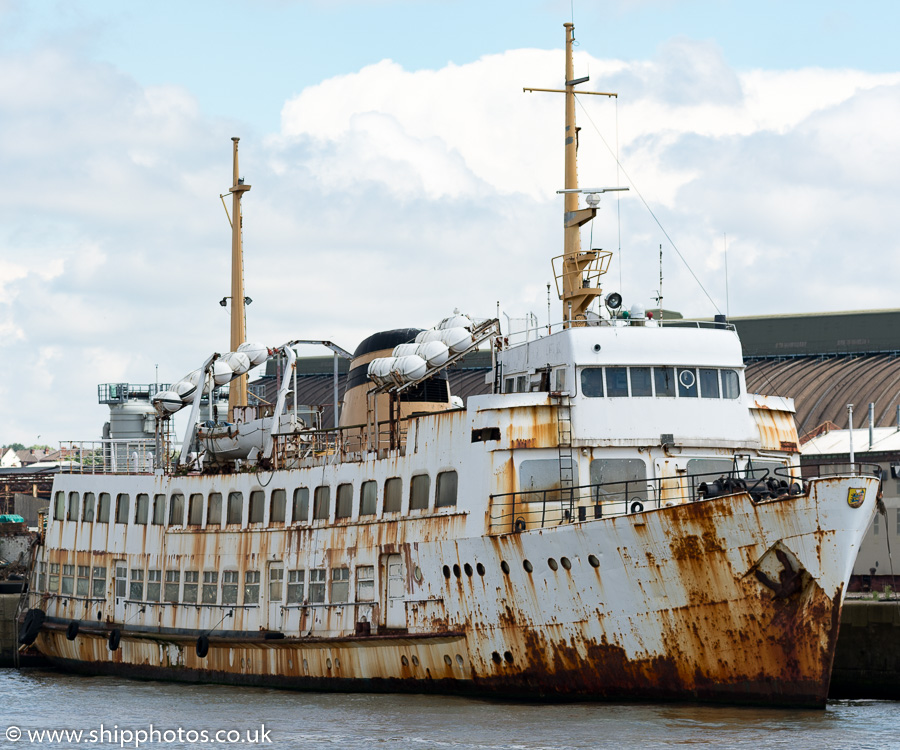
point(566, 457)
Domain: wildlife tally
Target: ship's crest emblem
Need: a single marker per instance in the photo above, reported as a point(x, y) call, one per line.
point(855, 496)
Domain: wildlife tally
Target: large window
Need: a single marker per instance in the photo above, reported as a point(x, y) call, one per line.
point(103, 508)
point(74, 502)
point(445, 493)
point(88, 510)
point(343, 507)
point(687, 382)
point(142, 508)
point(592, 382)
point(176, 509)
point(235, 508)
point(122, 504)
point(542, 474)
point(300, 509)
point(214, 509)
point(322, 503)
point(59, 506)
point(709, 383)
point(277, 504)
point(195, 511)
point(619, 479)
point(641, 382)
point(258, 506)
point(393, 495)
point(368, 496)
point(731, 385)
point(664, 381)
point(159, 510)
point(617, 382)
point(419, 490)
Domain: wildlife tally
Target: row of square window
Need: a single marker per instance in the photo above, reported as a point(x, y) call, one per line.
point(296, 591)
point(83, 508)
point(686, 382)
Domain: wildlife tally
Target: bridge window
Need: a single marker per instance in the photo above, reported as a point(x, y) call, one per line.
point(687, 382)
point(419, 490)
point(322, 503)
point(641, 382)
point(445, 492)
point(87, 513)
point(393, 495)
point(277, 504)
point(664, 381)
point(616, 381)
point(343, 507)
point(709, 383)
point(176, 509)
point(731, 384)
point(368, 496)
point(592, 382)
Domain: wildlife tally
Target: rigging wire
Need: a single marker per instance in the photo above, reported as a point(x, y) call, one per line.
point(619, 199)
point(647, 206)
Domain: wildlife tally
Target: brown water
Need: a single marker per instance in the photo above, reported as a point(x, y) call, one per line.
point(34, 700)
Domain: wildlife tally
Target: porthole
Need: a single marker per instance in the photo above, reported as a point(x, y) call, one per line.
point(566, 563)
point(504, 566)
point(459, 660)
point(446, 572)
point(508, 656)
point(553, 564)
point(496, 658)
point(328, 664)
point(480, 568)
point(592, 559)
point(456, 570)
point(447, 660)
point(528, 566)
point(468, 569)
point(417, 574)
point(404, 661)
point(415, 660)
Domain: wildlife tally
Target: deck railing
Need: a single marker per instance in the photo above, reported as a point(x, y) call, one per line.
point(107, 456)
point(530, 509)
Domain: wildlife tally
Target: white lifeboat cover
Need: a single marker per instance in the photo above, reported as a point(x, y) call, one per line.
point(404, 350)
point(411, 367)
point(379, 370)
point(239, 362)
point(167, 401)
point(435, 353)
point(432, 334)
point(184, 388)
point(221, 372)
point(256, 352)
point(457, 339)
point(456, 321)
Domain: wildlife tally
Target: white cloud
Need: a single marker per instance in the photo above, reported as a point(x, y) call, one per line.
point(392, 196)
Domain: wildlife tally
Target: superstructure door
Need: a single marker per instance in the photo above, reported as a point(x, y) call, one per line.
point(121, 590)
point(395, 592)
point(275, 591)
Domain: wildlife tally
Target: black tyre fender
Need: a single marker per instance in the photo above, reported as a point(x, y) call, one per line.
point(637, 506)
point(520, 525)
point(115, 636)
point(202, 646)
point(31, 626)
point(72, 630)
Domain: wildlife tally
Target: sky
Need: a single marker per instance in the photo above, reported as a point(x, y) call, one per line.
point(398, 171)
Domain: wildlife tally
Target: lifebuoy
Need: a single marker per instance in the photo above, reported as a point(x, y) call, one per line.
point(72, 630)
point(115, 635)
point(31, 626)
point(637, 506)
point(202, 646)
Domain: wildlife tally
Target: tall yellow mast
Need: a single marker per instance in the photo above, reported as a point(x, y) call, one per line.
point(579, 269)
point(237, 392)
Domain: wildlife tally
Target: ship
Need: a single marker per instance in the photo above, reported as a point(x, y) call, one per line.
point(618, 519)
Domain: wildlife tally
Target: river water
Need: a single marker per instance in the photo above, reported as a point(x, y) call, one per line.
point(182, 716)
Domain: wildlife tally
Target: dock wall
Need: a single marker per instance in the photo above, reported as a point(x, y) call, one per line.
point(867, 657)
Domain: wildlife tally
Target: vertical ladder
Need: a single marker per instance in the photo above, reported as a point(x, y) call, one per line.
point(566, 457)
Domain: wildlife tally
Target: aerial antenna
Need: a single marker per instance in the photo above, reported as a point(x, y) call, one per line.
point(659, 294)
point(725, 246)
